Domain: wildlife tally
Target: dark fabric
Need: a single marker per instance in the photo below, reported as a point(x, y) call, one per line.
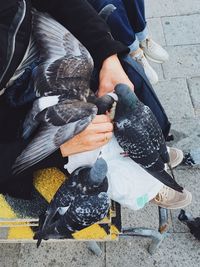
point(81, 19)
point(126, 20)
point(12, 15)
point(11, 145)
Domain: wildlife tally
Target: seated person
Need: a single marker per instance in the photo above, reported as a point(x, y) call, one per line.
point(83, 22)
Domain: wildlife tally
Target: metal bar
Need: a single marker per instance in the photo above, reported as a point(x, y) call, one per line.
point(163, 220)
point(94, 248)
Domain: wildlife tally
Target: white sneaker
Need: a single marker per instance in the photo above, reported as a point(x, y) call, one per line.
point(154, 51)
point(170, 199)
point(149, 71)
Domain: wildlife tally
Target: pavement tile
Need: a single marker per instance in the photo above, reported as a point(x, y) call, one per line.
point(186, 7)
point(186, 134)
point(9, 254)
point(184, 61)
point(60, 254)
point(190, 179)
point(158, 69)
point(182, 30)
point(194, 89)
point(175, 98)
point(177, 250)
point(159, 8)
point(156, 30)
point(146, 217)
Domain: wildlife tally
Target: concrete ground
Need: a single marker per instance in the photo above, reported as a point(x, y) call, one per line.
point(175, 25)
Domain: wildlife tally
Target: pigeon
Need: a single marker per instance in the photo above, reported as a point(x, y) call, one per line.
point(138, 133)
point(59, 123)
point(192, 223)
point(80, 201)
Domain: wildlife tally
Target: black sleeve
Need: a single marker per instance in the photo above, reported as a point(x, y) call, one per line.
point(81, 19)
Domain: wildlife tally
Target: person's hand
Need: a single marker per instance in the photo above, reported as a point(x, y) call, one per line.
point(97, 134)
point(112, 74)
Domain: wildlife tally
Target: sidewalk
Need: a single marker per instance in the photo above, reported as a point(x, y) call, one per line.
point(176, 25)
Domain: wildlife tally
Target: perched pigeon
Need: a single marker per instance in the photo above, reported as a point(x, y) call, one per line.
point(139, 134)
point(79, 202)
point(59, 123)
point(192, 223)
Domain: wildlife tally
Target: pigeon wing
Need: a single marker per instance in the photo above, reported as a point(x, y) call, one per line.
point(59, 123)
point(84, 211)
point(61, 54)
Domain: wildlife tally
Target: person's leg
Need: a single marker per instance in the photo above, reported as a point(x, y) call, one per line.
point(118, 22)
point(123, 31)
point(136, 15)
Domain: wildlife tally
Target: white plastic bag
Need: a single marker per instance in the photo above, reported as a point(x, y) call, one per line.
point(129, 184)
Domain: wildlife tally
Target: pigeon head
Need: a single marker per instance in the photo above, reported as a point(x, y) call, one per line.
point(126, 97)
point(98, 172)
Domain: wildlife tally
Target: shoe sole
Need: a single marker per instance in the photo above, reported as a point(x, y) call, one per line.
point(178, 159)
point(154, 60)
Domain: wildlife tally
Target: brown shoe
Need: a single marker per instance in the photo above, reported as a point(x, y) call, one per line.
point(170, 199)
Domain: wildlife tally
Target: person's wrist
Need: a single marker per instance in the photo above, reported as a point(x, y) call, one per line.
point(109, 60)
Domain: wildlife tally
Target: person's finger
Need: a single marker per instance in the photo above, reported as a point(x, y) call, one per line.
point(101, 119)
point(102, 127)
point(102, 138)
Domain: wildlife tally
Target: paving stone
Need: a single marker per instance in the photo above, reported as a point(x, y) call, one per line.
point(158, 69)
point(9, 254)
point(60, 254)
point(182, 30)
point(146, 217)
point(175, 98)
point(156, 30)
point(186, 134)
point(190, 179)
point(187, 7)
point(159, 8)
point(177, 250)
point(194, 88)
point(184, 61)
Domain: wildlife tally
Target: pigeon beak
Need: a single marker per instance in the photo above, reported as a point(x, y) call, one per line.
point(114, 96)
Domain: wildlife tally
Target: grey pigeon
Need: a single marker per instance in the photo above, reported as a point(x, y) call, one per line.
point(65, 64)
point(138, 133)
point(192, 223)
point(79, 202)
point(59, 123)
